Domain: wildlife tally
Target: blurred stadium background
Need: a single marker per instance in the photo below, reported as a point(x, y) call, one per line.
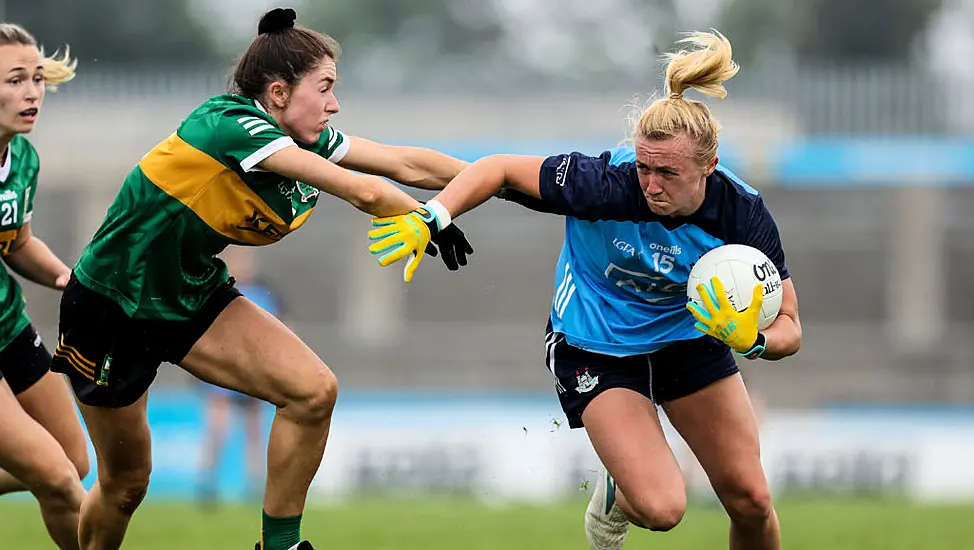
point(852, 118)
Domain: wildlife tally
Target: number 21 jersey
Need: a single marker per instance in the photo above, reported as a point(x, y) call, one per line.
point(18, 182)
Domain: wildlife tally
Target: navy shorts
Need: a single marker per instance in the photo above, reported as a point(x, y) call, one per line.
point(24, 361)
point(678, 370)
point(111, 358)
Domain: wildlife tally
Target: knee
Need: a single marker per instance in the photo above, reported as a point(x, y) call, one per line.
point(58, 486)
point(82, 464)
point(749, 506)
point(658, 512)
point(316, 401)
point(127, 488)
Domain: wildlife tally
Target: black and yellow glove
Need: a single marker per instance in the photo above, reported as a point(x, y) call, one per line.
point(453, 246)
point(410, 235)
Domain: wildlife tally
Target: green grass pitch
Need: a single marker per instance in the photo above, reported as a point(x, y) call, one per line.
point(451, 524)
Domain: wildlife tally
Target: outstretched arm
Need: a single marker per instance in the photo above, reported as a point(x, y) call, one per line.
point(31, 258)
point(408, 234)
point(370, 194)
point(584, 187)
point(588, 188)
point(484, 178)
point(413, 166)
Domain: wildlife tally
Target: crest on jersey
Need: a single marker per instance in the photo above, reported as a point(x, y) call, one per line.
point(307, 192)
point(586, 382)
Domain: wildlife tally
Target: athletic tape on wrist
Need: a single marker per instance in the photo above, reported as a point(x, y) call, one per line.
point(443, 218)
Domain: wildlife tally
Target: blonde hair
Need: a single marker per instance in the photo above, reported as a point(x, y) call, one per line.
point(57, 70)
point(704, 68)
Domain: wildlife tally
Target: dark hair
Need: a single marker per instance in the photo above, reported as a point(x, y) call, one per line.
point(281, 51)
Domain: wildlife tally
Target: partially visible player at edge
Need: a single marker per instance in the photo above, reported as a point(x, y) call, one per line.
point(42, 444)
point(242, 169)
point(620, 340)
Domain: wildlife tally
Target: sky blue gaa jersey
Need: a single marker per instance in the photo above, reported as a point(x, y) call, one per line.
point(620, 287)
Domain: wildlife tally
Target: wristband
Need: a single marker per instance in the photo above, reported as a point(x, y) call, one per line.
point(757, 350)
point(442, 215)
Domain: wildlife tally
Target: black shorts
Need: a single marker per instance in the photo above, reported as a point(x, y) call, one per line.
point(24, 361)
point(111, 358)
point(678, 370)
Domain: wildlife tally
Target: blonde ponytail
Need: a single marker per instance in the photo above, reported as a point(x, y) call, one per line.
point(58, 70)
point(704, 68)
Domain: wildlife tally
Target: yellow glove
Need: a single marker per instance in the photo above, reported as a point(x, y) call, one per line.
point(719, 319)
point(404, 235)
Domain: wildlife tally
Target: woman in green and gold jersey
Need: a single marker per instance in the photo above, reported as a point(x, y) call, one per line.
point(42, 444)
point(244, 168)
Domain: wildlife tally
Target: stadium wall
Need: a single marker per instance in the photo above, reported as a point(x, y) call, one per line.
point(515, 447)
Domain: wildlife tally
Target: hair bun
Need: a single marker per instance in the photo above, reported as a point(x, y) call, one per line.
point(277, 20)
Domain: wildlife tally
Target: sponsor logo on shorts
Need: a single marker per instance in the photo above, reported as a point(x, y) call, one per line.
point(106, 368)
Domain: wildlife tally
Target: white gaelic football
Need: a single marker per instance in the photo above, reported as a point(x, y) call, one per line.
point(739, 268)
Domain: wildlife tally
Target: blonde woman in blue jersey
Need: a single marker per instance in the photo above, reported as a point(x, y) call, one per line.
point(42, 444)
point(620, 338)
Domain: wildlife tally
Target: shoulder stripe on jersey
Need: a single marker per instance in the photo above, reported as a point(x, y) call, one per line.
point(244, 119)
point(259, 129)
point(251, 123)
point(259, 155)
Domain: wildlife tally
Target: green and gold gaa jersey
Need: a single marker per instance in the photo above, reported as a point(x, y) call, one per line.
point(192, 195)
point(18, 182)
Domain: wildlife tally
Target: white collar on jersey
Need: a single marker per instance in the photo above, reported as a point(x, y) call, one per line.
point(259, 106)
point(7, 159)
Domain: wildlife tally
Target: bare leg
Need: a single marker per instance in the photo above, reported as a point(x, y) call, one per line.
point(50, 404)
point(32, 455)
point(718, 424)
point(251, 351)
point(124, 450)
point(625, 430)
